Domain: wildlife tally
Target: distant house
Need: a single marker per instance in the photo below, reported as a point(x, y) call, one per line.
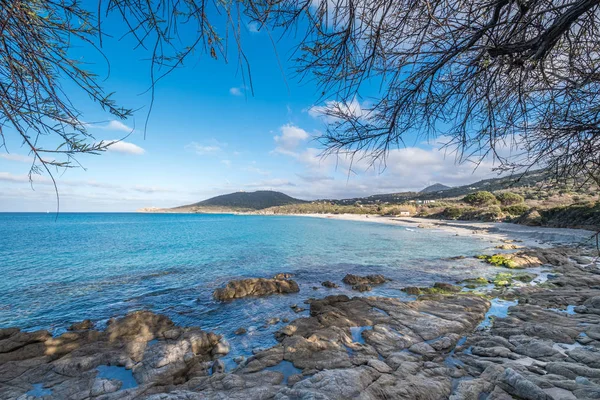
point(428, 201)
point(405, 213)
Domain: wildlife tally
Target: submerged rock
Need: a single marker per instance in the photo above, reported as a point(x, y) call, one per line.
point(255, 287)
point(362, 287)
point(350, 279)
point(329, 284)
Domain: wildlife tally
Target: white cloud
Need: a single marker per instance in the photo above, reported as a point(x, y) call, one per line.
point(290, 138)
point(226, 162)
point(125, 147)
point(16, 157)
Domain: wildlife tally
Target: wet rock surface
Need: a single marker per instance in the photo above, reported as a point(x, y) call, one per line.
point(256, 287)
point(542, 344)
point(143, 349)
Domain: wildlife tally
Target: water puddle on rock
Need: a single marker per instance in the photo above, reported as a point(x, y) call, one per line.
point(498, 309)
point(119, 373)
point(451, 361)
point(39, 391)
point(570, 310)
point(286, 368)
point(356, 332)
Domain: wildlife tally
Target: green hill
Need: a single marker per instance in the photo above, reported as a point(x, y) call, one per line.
point(438, 187)
point(242, 201)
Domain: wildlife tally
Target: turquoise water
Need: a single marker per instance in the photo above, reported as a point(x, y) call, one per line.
point(97, 266)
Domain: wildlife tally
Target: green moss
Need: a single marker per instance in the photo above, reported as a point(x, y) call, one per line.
point(503, 279)
point(499, 261)
point(475, 282)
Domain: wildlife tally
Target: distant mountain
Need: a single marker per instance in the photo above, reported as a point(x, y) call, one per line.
point(241, 201)
point(437, 187)
point(528, 179)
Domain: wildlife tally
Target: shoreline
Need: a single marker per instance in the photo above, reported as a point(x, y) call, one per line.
point(493, 342)
point(530, 236)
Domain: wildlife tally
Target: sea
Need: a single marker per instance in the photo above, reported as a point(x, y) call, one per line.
point(55, 271)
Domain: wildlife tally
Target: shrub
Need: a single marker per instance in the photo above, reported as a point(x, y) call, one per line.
point(481, 198)
point(517, 209)
point(509, 198)
point(453, 212)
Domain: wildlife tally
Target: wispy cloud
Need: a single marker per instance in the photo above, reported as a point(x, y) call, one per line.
point(113, 125)
point(324, 112)
point(16, 157)
point(253, 27)
point(226, 162)
point(270, 183)
point(254, 169)
point(236, 91)
point(125, 148)
point(208, 147)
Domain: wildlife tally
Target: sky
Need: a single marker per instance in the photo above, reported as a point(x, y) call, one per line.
point(209, 135)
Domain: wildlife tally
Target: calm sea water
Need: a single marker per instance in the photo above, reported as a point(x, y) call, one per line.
point(96, 266)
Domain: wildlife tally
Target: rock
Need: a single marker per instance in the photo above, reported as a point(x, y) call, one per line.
point(273, 321)
point(412, 290)
point(218, 367)
point(81, 326)
point(297, 309)
point(239, 359)
point(446, 287)
point(255, 287)
point(283, 276)
point(295, 378)
point(508, 246)
point(105, 386)
point(350, 279)
point(329, 284)
point(240, 331)
point(515, 384)
point(362, 287)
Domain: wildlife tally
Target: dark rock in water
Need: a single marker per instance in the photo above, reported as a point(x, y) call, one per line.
point(297, 309)
point(240, 331)
point(315, 288)
point(329, 284)
point(412, 290)
point(283, 275)
point(81, 326)
point(350, 279)
point(447, 287)
point(255, 287)
point(362, 287)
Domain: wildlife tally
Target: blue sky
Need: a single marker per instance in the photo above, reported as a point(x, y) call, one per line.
point(208, 135)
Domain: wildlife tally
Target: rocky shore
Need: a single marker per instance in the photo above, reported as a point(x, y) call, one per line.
point(510, 338)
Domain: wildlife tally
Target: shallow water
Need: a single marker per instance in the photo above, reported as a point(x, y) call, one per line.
point(498, 309)
point(102, 265)
point(119, 373)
